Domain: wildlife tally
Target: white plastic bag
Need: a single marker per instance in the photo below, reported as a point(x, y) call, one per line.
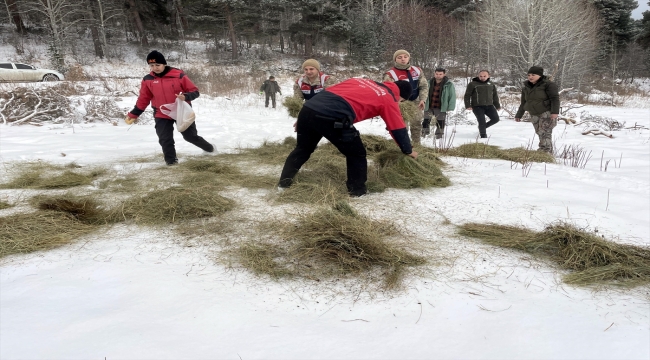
point(181, 112)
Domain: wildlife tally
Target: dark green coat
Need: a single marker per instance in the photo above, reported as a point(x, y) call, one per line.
point(270, 87)
point(539, 97)
point(481, 93)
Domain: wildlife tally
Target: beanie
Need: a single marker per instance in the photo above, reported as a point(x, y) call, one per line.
point(311, 62)
point(400, 52)
point(405, 89)
point(155, 57)
point(537, 70)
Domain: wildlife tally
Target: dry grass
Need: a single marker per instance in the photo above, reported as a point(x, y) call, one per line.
point(332, 243)
point(47, 176)
point(590, 258)
point(41, 230)
point(293, 105)
point(174, 205)
point(86, 209)
point(5, 205)
point(485, 151)
point(403, 172)
point(410, 111)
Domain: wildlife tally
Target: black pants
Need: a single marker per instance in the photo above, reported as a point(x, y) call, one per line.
point(481, 112)
point(269, 96)
point(311, 128)
point(165, 132)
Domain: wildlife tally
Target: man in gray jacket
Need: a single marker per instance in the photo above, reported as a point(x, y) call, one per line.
point(270, 87)
point(540, 97)
point(482, 99)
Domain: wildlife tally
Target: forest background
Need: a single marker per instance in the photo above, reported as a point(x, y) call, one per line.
point(586, 44)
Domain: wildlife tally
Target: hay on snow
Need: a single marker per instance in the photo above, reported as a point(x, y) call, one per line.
point(590, 258)
point(293, 105)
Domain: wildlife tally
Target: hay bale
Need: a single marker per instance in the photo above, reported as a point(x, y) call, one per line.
point(397, 170)
point(293, 105)
point(590, 258)
point(42, 230)
point(174, 204)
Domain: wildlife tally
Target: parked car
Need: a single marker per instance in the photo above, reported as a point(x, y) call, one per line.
point(23, 72)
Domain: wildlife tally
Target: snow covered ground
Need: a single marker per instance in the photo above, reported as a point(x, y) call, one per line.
point(135, 293)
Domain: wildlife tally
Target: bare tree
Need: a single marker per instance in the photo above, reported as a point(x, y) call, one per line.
point(541, 32)
point(138, 22)
point(60, 16)
point(14, 14)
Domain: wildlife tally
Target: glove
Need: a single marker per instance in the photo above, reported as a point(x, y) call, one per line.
point(261, 92)
point(129, 120)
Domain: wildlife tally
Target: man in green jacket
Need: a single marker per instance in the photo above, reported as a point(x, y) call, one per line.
point(441, 99)
point(540, 97)
point(270, 87)
point(482, 99)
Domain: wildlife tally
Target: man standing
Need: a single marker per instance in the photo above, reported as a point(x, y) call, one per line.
point(332, 115)
point(442, 98)
point(312, 81)
point(482, 99)
point(403, 70)
point(540, 97)
point(270, 87)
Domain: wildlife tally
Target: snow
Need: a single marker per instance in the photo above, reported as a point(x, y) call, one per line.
point(133, 292)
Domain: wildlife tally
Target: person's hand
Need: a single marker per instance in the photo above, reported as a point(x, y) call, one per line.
point(421, 105)
point(517, 119)
point(470, 109)
point(180, 96)
point(413, 154)
point(129, 120)
point(294, 126)
point(553, 116)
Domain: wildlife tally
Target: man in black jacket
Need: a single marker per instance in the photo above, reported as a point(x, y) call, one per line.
point(482, 99)
point(270, 87)
point(540, 97)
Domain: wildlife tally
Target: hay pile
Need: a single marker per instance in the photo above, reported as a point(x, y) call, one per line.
point(214, 173)
point(47, 176)
point(86, 209)
point(485, 151)
point(410, 112)
point(41, 230)
point(5, 205)
point(590, 258)
point(293, 105)
point(174, 204)
point(331, 243)
point(395, 170)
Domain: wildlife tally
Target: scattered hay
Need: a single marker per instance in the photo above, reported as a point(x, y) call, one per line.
point(85, 209)
point(173, 205)
point(47, 176)
point(590, 258)
point(272, 153)
point(485, 151)
point(375, 144)
point(403, 172)
point(42, 230)
point(332, 243)
point(124, 184)
point(5, 205)
point(323, 192)
point(293, 105)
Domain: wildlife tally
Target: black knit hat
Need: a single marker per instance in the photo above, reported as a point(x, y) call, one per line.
point(405, 89)
point(537, 70)
point(155, 57)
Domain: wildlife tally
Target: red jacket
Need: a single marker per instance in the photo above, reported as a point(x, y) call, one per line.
point(368, 100)
point(161, 89)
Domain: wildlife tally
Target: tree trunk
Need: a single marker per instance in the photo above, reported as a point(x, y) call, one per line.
point(138, 23)
point(12, 8)
point(281, 44)
point(99, 50)
point(308, 45)
point(233, 35)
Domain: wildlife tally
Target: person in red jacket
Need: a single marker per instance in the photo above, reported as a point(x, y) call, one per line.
point(332, 114)
point(163, 86)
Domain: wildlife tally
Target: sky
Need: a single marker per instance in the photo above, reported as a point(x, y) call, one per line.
point(638, 12)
